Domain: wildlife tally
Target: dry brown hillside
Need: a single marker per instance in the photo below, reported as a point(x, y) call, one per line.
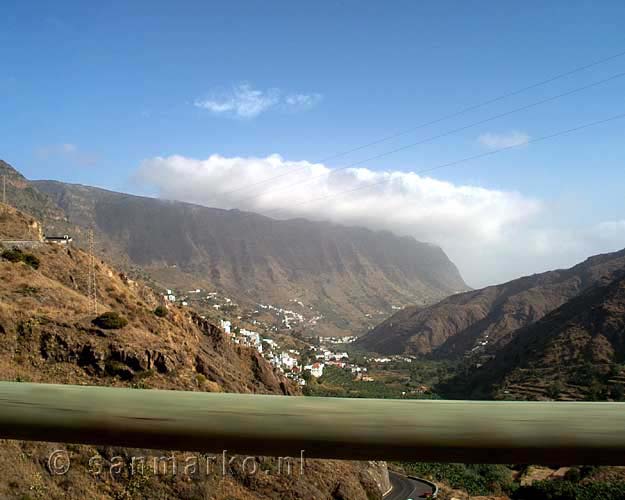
point(48, 335)
point(576, 352)
point(15, 225)
point(481, 322)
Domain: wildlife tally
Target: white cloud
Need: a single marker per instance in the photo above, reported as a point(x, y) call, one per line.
point(504, 140)
point(302, 101)
point(244, 101)
point(492, 235)
point(482, 230)
point(612, 230)
point(68, 152)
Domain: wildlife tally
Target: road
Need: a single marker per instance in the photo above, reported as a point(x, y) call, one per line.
point(405, 488)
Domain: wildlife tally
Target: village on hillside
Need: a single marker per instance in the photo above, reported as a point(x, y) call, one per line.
point(261, 328)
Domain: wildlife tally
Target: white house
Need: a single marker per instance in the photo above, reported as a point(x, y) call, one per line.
point(226, 326)
point(317, 370)
point(287, 361)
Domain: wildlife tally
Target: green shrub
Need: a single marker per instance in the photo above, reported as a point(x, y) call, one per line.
point(32, 260)
point(118, 369)
point(110, 321)
point(161, 311)
point(555, 389)
point(573, 475)
point(16, 255)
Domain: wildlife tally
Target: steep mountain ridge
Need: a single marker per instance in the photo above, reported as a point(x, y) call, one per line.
point(575, 352)
point(483, 321)
point(345, 273)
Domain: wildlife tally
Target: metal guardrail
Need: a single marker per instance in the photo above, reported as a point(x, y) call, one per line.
point(358, 429)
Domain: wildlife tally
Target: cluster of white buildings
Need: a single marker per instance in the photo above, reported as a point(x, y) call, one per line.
point(197, 295)
point(226, 326)
point(395, 357)
point(325, 357)
point(382, 360)
point(315, 369)
point(285, 318)
point(288, 318)
point(289, 361)
point(329, 356)
point(348, 339)
point(245, 337)
point(286, 361)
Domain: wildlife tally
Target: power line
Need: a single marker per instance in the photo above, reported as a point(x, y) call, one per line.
point(444, 117)
point(445, 134)
point(463, 160)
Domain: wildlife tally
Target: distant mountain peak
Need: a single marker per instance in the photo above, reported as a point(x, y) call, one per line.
point(9, 171)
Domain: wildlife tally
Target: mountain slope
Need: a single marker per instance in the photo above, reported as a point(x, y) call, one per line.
point(575, 352)
point(20, 193)
point(343, 272)
point(483, 321)
point(47, 306)
point(48, 335)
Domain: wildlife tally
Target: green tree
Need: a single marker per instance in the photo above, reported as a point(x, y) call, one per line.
point(32, 260)
point(161, 311)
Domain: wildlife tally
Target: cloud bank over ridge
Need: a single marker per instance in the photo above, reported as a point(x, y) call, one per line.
point(491, 235)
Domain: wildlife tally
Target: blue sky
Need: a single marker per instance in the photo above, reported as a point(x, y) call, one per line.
point(90, 92)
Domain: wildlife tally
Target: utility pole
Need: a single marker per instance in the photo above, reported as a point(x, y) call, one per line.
point(93, 290)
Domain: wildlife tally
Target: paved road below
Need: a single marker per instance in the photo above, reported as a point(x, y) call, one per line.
point(405, 488)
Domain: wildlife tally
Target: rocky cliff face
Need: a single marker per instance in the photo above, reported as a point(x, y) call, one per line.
point(348, 275)
point(15, 225)
point(483, 321)
point(345, 273)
